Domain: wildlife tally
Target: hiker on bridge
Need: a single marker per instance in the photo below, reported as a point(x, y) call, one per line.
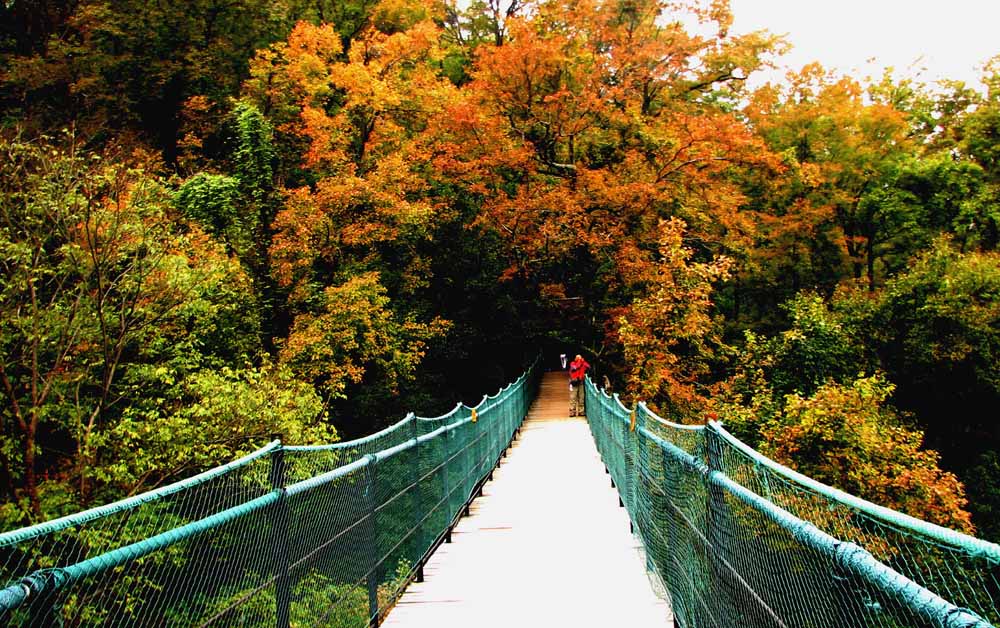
point(577, 372)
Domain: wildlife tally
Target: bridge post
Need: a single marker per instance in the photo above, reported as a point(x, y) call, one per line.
point(716, 532)
point(282, 583)
point(640, 483)
point(418, 514)
point(446, 479)
point(371, 497)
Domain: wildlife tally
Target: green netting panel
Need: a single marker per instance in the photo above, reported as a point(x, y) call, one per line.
point(740, 541)
point(34, 559)
point(961, 568)
point(609, 422)
point(690, 438)
point(304, 536)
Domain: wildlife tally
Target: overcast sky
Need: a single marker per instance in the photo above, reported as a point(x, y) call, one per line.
point(950, 38)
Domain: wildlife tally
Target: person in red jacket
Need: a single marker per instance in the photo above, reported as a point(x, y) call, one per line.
point(577, 372)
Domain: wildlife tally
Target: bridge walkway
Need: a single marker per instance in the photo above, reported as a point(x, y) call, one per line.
point(546, 544)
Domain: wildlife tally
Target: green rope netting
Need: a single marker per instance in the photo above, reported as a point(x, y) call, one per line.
point(740, 540)
point(304, 536)
point(329, 535)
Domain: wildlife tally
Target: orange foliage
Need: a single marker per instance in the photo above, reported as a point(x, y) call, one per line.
point(586, 130)
point(668, 335)
point(361, 118)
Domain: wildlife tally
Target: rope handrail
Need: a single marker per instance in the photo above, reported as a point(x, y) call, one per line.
point(959, 540)
point(357, 441)
point(677, 426)
point(441, 417)
point(920, 600)
point(62, 523)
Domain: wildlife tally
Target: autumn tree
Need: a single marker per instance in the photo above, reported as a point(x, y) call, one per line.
point(803, 398)
point(86, 277)
point(849, 437)
point(587, 127)
point(138, 73)
point(847, 150)
point(355, 331)
point(669, 335)
point(354, 117)
point(362, 205)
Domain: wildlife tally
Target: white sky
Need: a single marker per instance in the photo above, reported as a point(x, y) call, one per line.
point(949, 38)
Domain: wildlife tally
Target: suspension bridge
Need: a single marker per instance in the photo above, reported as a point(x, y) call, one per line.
point(503, 513)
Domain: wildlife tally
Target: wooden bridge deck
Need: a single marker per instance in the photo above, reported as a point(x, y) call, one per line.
point(546, 545)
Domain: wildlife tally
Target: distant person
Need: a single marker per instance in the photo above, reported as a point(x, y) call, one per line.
point(562, 360)
point(577, 372)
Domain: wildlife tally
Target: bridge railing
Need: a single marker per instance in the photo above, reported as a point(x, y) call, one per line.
point(740, 540)
point(288, 535)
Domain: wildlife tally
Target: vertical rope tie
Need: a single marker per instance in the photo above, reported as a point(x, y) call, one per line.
point(475, 415)
point(631, 422)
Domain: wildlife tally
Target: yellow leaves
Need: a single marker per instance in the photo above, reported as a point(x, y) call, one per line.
point(848, 436)
point(468, 144)
point(356, 328)
point(321, 43)
point(418, 43)
point(327, 148)
point(385, 86)
point(536, 79)
point(349, 211)
point(394, 16)
point(364, 119)
point(294, 248)
point(309, 52)
point(386, 72)
point(552, 291)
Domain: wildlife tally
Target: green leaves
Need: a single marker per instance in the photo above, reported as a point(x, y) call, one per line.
point(353, 330)
point(212, 201)
point(209, 417)
point(110, 306)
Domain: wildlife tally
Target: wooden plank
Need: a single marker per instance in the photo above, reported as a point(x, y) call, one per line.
point(547, 543)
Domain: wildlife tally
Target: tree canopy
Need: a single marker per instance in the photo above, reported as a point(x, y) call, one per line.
point(221, 221)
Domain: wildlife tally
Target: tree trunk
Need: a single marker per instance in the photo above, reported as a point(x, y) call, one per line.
point(870, 255)
point(30, 477)
point(736, 298)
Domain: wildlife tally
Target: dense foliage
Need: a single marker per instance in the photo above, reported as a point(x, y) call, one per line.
point(221, 221)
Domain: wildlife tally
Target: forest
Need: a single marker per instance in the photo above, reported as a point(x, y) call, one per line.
point(223, 220)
